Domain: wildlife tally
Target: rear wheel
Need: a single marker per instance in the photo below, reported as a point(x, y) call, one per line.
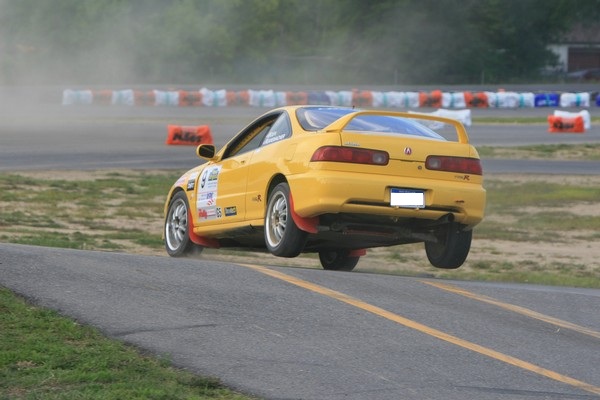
point(451, 249)
point(283, 238)
point(177, 226)
point(338, 260)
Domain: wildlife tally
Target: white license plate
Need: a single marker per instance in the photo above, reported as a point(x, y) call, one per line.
point(407, 198)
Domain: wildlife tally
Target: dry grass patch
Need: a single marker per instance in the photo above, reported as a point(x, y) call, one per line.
point(538, 228)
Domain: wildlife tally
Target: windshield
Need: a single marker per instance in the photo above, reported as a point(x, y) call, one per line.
point(316, 118)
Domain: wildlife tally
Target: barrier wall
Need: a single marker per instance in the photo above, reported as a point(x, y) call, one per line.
point(205, 97)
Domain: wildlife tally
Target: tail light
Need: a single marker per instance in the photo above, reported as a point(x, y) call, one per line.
point(461, 165)
point(351, 155)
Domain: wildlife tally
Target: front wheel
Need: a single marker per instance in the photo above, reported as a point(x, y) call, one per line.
point(338, 260)
point(283, 238)
point(177, 226)
point(451, 249)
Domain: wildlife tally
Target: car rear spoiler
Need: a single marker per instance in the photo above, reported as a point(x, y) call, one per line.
point(340, 124)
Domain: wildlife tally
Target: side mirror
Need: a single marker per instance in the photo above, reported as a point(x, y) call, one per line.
point(206, 151)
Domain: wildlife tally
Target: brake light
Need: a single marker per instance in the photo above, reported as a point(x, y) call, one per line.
point(462, 165)
point(351, 155)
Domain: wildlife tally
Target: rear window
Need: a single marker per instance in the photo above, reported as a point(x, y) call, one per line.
point(316, 118)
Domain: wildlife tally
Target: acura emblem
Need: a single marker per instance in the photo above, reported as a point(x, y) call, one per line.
point(407, 151)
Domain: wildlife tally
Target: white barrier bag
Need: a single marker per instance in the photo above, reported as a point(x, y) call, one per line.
point(464, 116)
point(395, 99)
point(261, 98)
point(166, 98)
point(503, 99)
point(123, 97)
point(71, 97)
point(584, 114)
point(281, 99)
point(341, 98)
point(454, 100)
point(526, 99)
point(387, 99)
point(575, 99)
point(411, 100)
point(216, 98)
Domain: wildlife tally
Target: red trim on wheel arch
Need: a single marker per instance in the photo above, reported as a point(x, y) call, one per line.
point(202, 241)
point(309, 225)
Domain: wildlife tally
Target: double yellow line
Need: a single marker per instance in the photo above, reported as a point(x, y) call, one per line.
point(444, 336)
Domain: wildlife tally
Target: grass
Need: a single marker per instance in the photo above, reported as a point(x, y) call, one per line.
point(586, 152)
point(122, 211)
point(509, 197)
point(106, 212)
point(46, 356)
point(519, 119)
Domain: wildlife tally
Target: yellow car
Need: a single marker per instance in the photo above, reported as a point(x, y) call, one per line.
point(335, 181)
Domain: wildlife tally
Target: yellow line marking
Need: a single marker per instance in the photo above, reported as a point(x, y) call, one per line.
point(517, 309)
point(425, 329)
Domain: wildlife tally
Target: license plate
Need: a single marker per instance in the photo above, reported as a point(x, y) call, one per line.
point(407, 198)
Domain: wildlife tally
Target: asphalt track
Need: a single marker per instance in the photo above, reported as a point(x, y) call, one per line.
point(292, 333)
point(49, 136)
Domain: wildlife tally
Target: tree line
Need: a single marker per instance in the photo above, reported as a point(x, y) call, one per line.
point(283, 41)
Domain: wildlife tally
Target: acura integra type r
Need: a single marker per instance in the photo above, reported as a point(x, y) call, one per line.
point(335, 181)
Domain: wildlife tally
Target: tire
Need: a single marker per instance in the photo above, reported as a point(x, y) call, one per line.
point(337, 260)
point(283, 238)
point(452, 248)
point(177, 225)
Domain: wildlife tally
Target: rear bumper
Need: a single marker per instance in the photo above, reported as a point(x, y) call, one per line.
point(330, 192)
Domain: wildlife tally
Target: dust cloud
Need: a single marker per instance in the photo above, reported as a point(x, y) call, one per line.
point(115, 44)
point(47, 51)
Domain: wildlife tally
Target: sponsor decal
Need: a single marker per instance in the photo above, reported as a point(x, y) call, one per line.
point(230, 211)
point(213, 175)
point(210, 177)
point(212, 212)
point(273, 137)
point(191, 184)
point(206, 199)
point(203, 178)
point(187, 137)
point(208, 213)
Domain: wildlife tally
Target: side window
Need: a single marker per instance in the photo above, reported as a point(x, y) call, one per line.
point(279, 130)
point(252, 137)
